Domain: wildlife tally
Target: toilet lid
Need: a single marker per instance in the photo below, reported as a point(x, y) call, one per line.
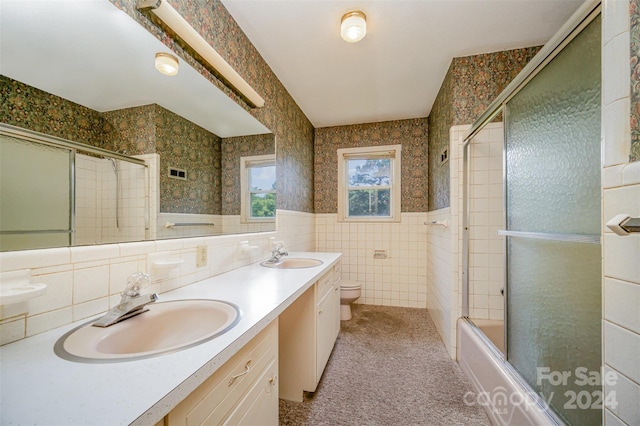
point(349, 284)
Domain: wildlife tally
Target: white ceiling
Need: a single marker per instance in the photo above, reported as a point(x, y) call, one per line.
point(395, 72)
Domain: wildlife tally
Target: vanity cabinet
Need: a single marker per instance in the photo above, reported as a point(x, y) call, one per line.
point(243, 391)
point(308, 331)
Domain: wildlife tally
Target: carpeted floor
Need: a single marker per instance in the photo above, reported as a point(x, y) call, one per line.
point(389, 367)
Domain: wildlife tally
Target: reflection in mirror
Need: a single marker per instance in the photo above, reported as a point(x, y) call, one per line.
point(66, 73)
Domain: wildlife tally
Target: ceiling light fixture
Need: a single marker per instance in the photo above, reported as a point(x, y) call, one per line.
point(353, 26)
point(172, 19)
point(166, 63)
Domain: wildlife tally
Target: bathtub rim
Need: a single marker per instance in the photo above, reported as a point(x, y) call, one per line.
point(511, 376)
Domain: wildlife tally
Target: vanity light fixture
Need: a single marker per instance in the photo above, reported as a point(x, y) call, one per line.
point(353, 26)
point(171, 18)
point(166, 63)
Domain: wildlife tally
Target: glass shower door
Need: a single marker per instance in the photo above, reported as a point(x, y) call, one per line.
point(553, 214)
point(36, 186)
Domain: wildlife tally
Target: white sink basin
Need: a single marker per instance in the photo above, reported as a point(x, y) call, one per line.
point(166, 327)
point(293, 263)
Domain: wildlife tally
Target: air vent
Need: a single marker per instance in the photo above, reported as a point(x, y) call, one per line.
point(176, 173)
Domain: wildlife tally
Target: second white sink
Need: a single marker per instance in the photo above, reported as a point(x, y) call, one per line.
point(292, 263)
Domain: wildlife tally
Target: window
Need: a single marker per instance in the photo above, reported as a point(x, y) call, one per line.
point(369, 184)
point(258, 183)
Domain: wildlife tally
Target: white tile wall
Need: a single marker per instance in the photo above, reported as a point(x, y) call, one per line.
point(96, 201)
point(398, 280)
point(85, 281)
point(486, 217)
point(442, 300)
point(621, 194)
point(486, 247)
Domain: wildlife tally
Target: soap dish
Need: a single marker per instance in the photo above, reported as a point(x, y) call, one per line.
point(15, 287)
point(168, 263)
point(20, 293)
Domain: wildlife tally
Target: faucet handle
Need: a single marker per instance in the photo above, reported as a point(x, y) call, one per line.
point(135, 283)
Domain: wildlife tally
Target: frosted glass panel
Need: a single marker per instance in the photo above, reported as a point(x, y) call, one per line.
point(35, 184)
point(553, 186)
point(553, 133)
point(553, 319)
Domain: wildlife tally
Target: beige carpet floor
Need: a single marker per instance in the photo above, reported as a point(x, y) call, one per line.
point(388, 367)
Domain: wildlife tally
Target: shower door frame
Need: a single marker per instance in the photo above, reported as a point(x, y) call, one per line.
point(74, 147)
point(587, 12)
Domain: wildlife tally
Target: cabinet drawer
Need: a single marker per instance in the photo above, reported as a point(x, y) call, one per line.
point(260, 405)
point(213, 401)
point(325, 284)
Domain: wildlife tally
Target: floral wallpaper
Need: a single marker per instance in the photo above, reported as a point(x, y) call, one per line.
point(470, 85)
point(634, 26)
point(412, 134)
point(281, 114)
point(30, 108)
point(232, 149)
point(181, 144)
point(189, 147)
point(138, 130)
point(130, 130)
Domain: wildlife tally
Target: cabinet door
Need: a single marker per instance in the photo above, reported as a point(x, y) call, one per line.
point(220, 394)
point(326, 330)
point(260, 406)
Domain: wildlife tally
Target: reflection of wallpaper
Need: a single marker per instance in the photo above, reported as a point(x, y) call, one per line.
point(634, 26)
point(130, 130)
point(232, 149)
point(180, 143)
point(470, 85)
point(189, 147)
point(30, 108)
point(412, 134)
point(138, 130)
point(281, 114)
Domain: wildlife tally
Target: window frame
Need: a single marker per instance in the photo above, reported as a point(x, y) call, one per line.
point(246, 164)
point(393, 152)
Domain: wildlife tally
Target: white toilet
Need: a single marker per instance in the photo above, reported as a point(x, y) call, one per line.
point(349, 292)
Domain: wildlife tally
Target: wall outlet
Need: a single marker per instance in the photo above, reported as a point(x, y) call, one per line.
point(201, 256)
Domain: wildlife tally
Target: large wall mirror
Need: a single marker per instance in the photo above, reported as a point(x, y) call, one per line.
point(82, 72)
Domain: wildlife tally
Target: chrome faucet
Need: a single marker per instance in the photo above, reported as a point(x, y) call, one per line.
point(131, 302)
point(277, 254)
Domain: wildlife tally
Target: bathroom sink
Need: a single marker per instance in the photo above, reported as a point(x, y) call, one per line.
point(292, 263)
point(167, 327)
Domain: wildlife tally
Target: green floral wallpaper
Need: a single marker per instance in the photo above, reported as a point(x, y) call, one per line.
point(281, 114)
point(138, 130)
point(634, 26)
point(232, 149)
point(189, 147)
point(412, 134)
point(30, 108)
point(470, 85)
point(180, 143)
point(130, 130)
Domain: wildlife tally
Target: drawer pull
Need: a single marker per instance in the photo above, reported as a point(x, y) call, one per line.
point(273, 380)
point(247, 367)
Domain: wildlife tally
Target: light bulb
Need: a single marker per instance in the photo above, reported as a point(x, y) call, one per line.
point(166, 63)
point(353, 27)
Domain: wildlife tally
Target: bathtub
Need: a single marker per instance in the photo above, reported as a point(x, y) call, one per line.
point(505, 397)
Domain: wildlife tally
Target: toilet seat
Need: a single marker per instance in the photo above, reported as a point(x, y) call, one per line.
point(349, 284)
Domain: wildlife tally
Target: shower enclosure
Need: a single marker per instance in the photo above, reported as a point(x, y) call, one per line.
point(58, 193)
point(532, 225)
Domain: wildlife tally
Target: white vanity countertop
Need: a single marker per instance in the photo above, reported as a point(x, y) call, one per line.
point(38, 387)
